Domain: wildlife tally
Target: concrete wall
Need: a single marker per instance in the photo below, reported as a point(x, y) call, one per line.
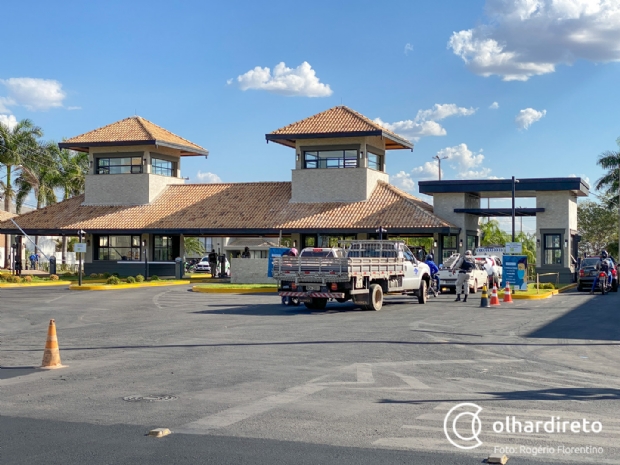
point(249, 271)
point(444, 205)
point(560, 216)
point(334, 185)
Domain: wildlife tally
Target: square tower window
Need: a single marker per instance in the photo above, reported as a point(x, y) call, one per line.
point(124, 165)
point(330, 159)
point(163, 167)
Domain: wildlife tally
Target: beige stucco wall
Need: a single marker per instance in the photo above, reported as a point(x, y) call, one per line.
point(249, 271)
point(334, 185)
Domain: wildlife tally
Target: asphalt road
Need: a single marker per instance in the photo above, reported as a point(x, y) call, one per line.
point(243, 379)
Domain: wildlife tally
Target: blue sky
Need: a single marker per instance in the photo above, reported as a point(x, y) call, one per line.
point(429, 70)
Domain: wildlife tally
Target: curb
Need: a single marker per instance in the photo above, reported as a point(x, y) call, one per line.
point(113, 287)
point(51, 283)
point(568, 288)
point(232, 290)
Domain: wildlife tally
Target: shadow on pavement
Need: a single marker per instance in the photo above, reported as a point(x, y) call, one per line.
point(13, 372)
point(539, 394)
point(596, 319)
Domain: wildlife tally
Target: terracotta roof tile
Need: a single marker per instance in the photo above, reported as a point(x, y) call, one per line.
point(242, 206)
point(335, 120)
point(132, 129)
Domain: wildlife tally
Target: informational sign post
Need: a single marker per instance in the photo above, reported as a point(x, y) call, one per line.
point(515, 272)
point(79, 248)
point(514, 248)
point(274, 252)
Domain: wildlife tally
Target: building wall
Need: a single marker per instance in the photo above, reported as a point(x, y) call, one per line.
point(249, 271)
point(444, 205)
point(334, 185)
point(129, 268)
point(560, 216)
point(125, 189)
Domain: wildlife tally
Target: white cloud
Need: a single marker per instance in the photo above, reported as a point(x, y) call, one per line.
point(33, 93)
point(8, 120)
point(301, 81)
point(425, 122)
point(408, 48)
point(208, 178)
point(466, 163)
point(429, 170)
point(403, 181)
point(494, 106)
point(527, 117)
point(524, 38)
point(74, 108)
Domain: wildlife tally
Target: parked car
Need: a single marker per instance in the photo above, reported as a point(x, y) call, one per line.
point(447, 279)
point(588, 269)
point(203, 266)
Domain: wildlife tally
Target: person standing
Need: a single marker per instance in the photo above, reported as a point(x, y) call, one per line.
point(293, 250)
point(464, 266)
point(213, 263)
point(246, 252)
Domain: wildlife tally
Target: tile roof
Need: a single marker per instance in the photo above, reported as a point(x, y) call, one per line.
point(4, 216)
point(243, 207)
point(134, 129)
point(336, 120)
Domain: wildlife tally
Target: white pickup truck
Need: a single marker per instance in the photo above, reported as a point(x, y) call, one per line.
point(362, 271)
point(448, 276)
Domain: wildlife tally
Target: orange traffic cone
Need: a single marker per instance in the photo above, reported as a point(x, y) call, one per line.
point(51, 354)
point(494, 298)
point(507, 294)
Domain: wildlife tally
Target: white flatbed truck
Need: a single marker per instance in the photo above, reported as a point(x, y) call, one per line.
point(361, 271)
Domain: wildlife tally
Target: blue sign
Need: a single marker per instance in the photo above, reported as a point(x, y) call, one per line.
point(514, 272)
point(274, 252)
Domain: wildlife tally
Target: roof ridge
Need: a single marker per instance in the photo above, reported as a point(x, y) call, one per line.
point(166, 130)
point(141, 123)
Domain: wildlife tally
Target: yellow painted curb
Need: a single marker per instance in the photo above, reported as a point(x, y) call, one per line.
point(568, 288)
point(113, 287)
point(51, 283)
point(232, 290)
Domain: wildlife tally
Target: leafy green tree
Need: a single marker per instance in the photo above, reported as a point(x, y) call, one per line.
point(193, 246)
point(492, 234)
point(39, 174)
point(597, 225)
point(609, 184)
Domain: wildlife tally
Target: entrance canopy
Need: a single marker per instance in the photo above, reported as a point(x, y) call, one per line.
point(499, 188)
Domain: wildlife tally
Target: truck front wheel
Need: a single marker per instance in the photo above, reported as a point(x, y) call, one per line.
point(422, 293)
point(375, 297)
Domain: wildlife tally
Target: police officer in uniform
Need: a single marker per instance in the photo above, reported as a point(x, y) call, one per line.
point(464, 266)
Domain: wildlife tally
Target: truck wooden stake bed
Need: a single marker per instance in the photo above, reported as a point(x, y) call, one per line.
point(362, 271)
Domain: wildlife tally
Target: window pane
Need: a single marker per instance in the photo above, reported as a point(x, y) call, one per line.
point(350, 154)
point(135, 241)
point(136, 161)
point(449, 242)
point(120, 241)
point(103, 241)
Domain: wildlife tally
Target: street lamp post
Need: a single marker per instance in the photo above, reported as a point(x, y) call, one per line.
point(438, 158)
point(381, 230)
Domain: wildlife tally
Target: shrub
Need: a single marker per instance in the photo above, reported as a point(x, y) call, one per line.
point(13, 279)
point(106, 275)
point(53, 277)
point(139, 278)
point(115, 274)
point(131, 279)
point(94, 275)
point(27, 279)
point(100, 275)
point(114, 280)
point(3, 277)
point(154, 278)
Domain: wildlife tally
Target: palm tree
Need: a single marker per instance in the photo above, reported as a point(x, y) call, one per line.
point(14, 144)
point(73, 168)
point(39, 174)
point(492, 234)
point(610, 182)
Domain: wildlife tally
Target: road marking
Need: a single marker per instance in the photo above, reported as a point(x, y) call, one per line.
point(234, 415)
point(364, 373)
point(411, 381)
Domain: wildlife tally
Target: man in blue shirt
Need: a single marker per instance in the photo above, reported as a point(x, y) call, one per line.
point(434, 270)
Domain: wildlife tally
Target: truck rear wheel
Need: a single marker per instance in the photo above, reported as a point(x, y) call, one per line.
point(317, 303)
point(422, 292)
point(375, 297)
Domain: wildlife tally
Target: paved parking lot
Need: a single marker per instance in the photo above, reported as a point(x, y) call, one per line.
point(227, 368)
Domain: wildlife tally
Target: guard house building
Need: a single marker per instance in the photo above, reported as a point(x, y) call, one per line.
point(557, 241)
point(137, 207)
